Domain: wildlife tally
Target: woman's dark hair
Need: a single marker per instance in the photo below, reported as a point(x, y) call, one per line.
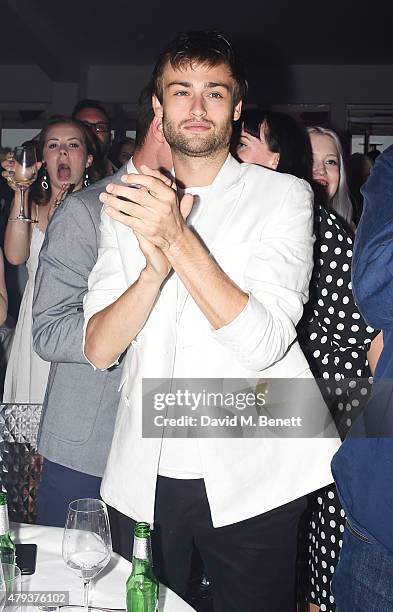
point(96, 171)
point(210, 48)
point(284, 135)
point(116, 149)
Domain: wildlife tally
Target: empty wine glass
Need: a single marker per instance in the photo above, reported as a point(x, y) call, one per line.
point(10, 587)
point(87, 544)
point(3, 592)
point(23, 174)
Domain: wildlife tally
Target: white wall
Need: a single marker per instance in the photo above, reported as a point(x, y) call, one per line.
point(117, 83)
point(64, 98)
point(24, 83)
point(342, 85)
point(334, 85)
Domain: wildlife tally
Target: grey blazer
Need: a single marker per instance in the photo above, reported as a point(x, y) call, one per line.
point(80, 403)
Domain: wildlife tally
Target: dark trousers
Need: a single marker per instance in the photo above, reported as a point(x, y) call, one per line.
point(61, 485)
point(251, 565)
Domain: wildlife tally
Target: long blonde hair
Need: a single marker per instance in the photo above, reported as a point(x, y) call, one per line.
point(341, 202)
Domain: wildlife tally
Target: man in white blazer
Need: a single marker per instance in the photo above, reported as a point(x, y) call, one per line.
point(216, 296)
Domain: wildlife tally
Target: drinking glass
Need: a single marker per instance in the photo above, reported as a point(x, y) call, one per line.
point(10, 587)
point(87, 544)
point(2, 588)
point(23, 174)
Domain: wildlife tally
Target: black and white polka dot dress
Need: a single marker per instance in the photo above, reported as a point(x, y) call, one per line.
point(335, 340)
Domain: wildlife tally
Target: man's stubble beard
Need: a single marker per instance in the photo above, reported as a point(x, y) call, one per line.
point(206, 146)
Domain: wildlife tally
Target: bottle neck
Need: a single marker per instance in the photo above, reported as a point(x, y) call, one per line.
point(142, 549)
point(4, 524)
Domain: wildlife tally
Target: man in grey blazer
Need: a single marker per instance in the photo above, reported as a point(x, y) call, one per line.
point(80, 404)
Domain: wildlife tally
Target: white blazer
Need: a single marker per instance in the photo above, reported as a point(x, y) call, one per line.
point(258, 226)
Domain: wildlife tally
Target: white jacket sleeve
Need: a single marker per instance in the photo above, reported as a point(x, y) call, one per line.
point(277, 279)
point(107, 281)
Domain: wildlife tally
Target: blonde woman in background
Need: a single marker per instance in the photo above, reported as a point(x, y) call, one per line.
point(329, 171)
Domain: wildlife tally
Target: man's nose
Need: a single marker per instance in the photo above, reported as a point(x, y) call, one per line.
point(198, 107)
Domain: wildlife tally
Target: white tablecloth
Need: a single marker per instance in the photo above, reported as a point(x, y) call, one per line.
point(107, 590)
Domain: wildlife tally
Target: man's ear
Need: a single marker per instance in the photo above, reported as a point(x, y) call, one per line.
point(157, 106)
point(158, 132)
point(275, 161)
point(237, 111)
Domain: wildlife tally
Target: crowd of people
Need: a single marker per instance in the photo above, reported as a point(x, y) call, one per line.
point(211, 253)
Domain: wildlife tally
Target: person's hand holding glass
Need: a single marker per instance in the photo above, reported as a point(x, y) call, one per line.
point(21, 171)
point(87, 544)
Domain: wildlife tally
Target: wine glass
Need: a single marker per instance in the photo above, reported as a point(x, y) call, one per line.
point(87, 544)
point(10, 586)
point(3, 592)
point(23, 174)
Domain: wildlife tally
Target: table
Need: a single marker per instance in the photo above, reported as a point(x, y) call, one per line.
point(107, 590)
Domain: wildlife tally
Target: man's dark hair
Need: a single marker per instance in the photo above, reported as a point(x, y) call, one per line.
point(82, 104)
point(145, 115)
point(210, 48)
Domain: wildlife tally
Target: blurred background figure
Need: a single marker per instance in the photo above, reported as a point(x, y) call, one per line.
point(121, 151)
point(374, 152)
point(3, 292)
point(359, 167)
point(70, 157)
point(5, 330)
point(93, 114)
point(6, 196)
point(328, 172)
point(15, 276)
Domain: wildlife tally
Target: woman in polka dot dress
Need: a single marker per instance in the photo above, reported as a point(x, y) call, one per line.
point(335, 340)
point(332, 333)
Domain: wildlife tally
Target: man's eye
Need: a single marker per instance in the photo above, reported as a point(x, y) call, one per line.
point(215, 94)
point(241, 145)
point(181, 93)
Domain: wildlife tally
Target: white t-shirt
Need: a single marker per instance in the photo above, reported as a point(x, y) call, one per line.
point(180, 457)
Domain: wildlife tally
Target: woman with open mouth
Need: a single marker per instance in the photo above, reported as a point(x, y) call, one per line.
point(70, 159)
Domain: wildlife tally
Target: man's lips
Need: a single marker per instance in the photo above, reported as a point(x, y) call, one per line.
point(197, 126)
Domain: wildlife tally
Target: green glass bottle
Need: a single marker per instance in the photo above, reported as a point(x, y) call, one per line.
point(142, 585)
point(7, 547)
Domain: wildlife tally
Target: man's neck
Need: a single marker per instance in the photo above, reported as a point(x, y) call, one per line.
point(144, 156)
point(197, 171)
